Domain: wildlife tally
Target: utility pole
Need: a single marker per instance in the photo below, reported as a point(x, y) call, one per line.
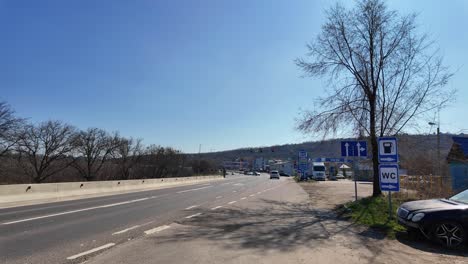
point(439, 170)
point(199, 158)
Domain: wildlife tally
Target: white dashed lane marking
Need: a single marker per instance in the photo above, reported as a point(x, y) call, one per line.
point(217, 207)
point(91, 251)
point(126, 230)
point(196, 189)
point(192, 216)
point(233, 202)
point(157, 229)
point(191, 207)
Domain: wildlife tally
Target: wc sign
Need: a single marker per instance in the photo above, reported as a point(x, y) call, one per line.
point(389, 177)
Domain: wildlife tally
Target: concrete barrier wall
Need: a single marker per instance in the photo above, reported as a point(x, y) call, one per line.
point(28, 192)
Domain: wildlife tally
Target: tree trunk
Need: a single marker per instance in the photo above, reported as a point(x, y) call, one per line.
point(375, 158)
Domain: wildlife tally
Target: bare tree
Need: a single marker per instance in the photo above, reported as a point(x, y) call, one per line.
point(44, 149)
point(128, 154)
point(163, 161)
point(9, 126)
point(93, 147)
point(382, 74)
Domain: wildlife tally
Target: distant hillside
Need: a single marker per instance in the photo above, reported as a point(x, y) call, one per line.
point(409, 146)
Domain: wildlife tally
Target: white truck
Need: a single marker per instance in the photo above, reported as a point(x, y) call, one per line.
point(318, 171)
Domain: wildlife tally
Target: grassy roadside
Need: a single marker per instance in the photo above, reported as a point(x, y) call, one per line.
point(373, 212)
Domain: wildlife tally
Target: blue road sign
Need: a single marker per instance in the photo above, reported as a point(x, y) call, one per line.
point(389, 177)
point(332, 160)
point(303, 161)
point(388, 150)
point(354, 148)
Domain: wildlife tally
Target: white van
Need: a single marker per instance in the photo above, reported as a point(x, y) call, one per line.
point(318, 171)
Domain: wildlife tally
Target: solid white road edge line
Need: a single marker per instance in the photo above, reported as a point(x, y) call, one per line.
point(194, 215)
point(75, 211)
point(157, 229)
point(91, 251)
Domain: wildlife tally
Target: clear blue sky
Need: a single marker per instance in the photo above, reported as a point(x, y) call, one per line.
point(184, 73)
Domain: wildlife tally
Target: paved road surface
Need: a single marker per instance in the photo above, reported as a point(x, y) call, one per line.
point(59, 232)
point(285, 224)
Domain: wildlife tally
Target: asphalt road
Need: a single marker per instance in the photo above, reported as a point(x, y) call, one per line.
point(69, 232)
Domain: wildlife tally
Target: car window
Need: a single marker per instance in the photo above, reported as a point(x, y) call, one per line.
point(319, 168)
point(461, 197)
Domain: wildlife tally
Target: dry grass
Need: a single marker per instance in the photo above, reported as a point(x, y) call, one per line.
point(424, 187)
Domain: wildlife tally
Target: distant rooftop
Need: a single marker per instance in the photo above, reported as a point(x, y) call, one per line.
point(459, 151)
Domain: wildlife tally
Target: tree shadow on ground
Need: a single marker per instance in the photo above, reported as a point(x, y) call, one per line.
point(277, 226)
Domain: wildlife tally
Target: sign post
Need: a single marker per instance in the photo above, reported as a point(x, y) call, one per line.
point(354, 149)
point(388, 169)
point(303, 163)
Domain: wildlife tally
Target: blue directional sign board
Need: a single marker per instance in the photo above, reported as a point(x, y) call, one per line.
point(388, 150)
point(389, 177)
point(332, 160)
point(303, 161)
point(354, 148)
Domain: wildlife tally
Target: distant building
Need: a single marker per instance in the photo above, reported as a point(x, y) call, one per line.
point(458, 163)
point(282, 166)
point(236, 165)
point(260, 164)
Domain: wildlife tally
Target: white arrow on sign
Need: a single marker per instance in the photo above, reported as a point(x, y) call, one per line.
point(388, 159)
point(346, 146)
point(389, 186)
point(359, 149)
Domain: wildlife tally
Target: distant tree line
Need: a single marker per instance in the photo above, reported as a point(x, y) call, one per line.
point(54, 151)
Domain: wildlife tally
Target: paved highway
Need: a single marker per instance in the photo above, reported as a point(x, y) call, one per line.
point(72, 231)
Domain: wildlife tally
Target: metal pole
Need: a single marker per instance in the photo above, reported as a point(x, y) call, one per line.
point(439, 171)
point(438, 151)
point(390, 216)
point(355, 180)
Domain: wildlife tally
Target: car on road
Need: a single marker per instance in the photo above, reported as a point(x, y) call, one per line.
point(274, 175)
point(284, 174)
point(339, 176)
point(444, 221)
point(256, 173)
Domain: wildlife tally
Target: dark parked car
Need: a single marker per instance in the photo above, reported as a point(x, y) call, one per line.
point(444, 221)
point(284, 174)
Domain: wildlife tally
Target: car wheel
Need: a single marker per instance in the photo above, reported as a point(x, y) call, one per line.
point(449, 234)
